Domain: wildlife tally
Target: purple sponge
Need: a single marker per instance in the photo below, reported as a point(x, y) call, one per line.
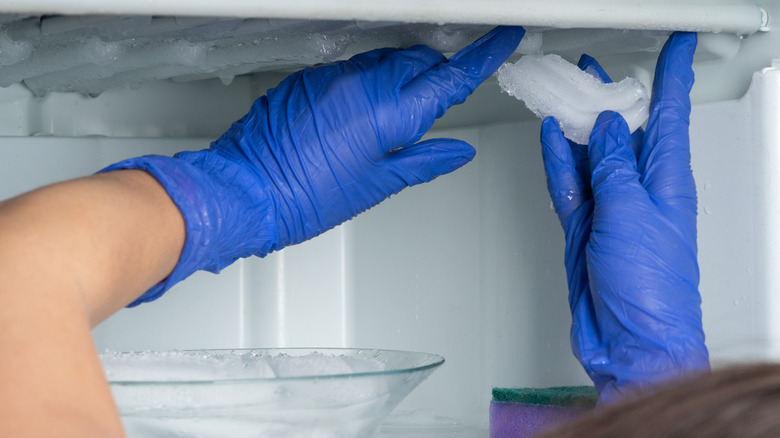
point(524, 412)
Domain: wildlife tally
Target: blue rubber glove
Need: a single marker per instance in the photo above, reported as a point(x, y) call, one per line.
point(324, 145)
point(630, 224)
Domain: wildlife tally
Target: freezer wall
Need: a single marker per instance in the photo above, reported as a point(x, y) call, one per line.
point(469, 266)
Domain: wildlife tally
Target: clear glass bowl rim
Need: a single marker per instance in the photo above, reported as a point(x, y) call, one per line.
point(427, 360)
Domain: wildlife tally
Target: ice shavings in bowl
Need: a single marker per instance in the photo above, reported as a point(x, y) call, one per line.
point(262, 392)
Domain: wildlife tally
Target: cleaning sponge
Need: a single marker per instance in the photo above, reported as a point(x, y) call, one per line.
point(523, 412)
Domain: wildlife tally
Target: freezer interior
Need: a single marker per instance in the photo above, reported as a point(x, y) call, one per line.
point(470, 266)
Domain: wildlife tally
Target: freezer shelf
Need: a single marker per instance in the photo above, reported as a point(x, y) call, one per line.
point(109, 45)
point(734, 16)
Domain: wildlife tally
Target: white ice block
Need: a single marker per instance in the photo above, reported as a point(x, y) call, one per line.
point(551, 86)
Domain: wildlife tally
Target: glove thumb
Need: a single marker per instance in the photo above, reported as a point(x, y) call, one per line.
point(424, 161)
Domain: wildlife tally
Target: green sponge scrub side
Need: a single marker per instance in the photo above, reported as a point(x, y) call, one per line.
point(570, 396)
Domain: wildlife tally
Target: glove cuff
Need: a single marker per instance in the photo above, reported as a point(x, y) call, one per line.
point(211, 208)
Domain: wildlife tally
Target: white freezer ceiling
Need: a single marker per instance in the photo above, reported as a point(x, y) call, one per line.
point(734, 16)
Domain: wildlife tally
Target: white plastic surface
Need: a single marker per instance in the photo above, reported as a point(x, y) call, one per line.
point(469, 266)
point(737, 168)
point(734, 16)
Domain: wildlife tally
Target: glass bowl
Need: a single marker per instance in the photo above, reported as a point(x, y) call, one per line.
point(280, 393)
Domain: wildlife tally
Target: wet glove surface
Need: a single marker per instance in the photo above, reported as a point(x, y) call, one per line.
point(628, 208)
point(326, 144)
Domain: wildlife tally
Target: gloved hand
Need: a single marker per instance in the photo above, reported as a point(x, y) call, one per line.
point(324, 145)
point(630, 224)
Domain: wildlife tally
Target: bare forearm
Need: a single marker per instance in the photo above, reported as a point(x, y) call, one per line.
point(108, 237)
point(72, 254)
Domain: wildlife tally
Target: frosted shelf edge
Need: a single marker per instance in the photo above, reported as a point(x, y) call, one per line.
point(741, 17)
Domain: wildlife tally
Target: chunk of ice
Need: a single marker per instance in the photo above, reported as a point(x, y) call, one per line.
point(551, 86)
point(531, 44)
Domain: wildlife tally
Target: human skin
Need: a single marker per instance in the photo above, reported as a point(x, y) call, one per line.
point(72, 254)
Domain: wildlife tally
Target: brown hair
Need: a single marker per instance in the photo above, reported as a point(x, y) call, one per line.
point(737, 402)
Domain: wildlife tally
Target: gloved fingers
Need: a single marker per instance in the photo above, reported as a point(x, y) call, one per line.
point(580, 154)
point(493, 49)
point(589, 65)
point(613, 163)
point(674, 75)
point(637, 141)
point(372, 57)
point(564, 182)
point(424, 161)
point(665, 159)
point(429, 95)
point(402, 66)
